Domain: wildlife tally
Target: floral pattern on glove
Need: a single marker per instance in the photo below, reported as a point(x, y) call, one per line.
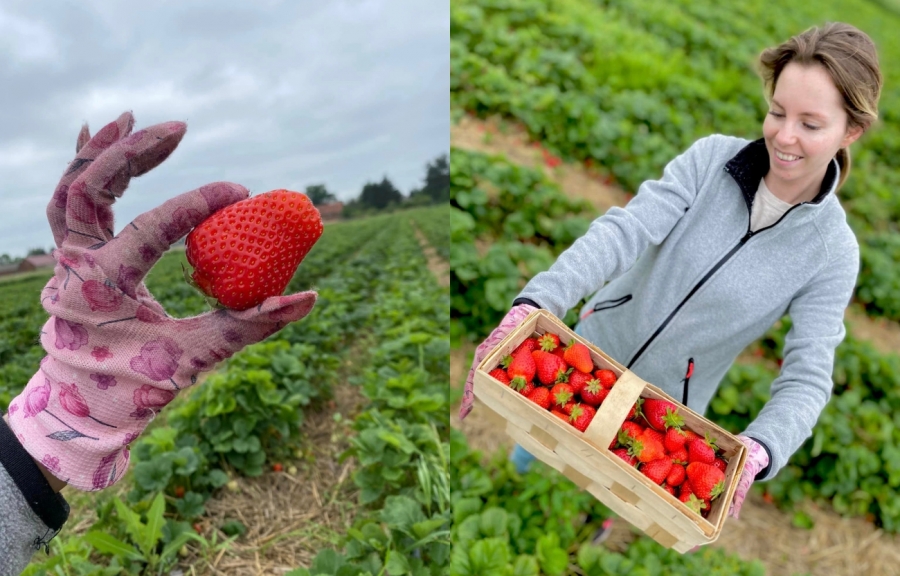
point(509, 323)
point(757, 460)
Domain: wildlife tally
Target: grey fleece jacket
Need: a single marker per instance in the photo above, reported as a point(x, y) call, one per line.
point(679, 282)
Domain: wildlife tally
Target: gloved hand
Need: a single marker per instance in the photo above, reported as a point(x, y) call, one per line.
point(115, 358)
point(757, 460)
point(512, 319)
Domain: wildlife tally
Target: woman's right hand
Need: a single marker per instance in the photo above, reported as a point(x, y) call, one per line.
point(509, 323)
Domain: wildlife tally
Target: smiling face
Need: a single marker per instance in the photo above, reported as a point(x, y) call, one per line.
point(805, 127)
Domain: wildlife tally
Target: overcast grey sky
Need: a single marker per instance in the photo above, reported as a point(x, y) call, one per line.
point(275, 95)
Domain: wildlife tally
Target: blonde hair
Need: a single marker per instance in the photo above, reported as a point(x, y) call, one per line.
point(849, 57)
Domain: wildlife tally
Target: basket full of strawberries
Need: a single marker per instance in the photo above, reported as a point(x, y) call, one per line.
point(657, 464)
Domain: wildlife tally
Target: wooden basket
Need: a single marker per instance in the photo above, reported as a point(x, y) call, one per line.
point(585, 458)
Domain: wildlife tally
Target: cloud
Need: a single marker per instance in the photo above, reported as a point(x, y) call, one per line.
point(275, 94)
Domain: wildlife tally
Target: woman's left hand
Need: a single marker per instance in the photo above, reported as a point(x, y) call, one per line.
point(757, 459)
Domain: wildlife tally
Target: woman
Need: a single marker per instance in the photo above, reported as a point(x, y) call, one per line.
point(734, 235)
point(114, 357)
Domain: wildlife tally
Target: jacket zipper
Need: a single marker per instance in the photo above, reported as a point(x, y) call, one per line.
point(708, 275)
point(687, 380)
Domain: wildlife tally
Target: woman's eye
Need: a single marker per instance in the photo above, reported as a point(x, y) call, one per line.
point(775, 114)
point(811, 127)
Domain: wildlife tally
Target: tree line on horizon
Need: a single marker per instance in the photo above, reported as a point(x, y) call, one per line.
point(374, 197)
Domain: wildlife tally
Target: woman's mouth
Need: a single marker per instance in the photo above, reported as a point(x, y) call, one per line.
point(786, 159)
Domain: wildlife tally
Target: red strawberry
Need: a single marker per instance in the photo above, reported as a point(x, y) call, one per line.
point(647, 448)
point(675, 438)
point(560, 414)
point(626, 456)
point(669, 489)
point(579, 380)
point(524, 390)
point(656, 435)
point(560, 353)
point(686, 485)
point(661, 414)
point(702, 450)
point(530, 344)
point(706, 481)
point(635, 409)
point(541, 397)
point(691, 501)
point(581, 416)
point(720, 464)
point(500, 374)
point(549, 342)
point(676, 475)
point(606, 377)
point(568, 407)
point(679, 455)
point(561, 394)
point(631, 430)
point(594, 393)
point(549, 367)
point(522, 366)
point(657, 470)
point(690, 435)
point(248, 251)
point(579, 356)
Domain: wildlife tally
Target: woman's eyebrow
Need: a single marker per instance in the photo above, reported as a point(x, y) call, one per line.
point(812, 114)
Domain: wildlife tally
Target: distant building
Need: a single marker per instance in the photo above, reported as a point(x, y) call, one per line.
point(332, 211)
point(8, 269)
point(38, 261)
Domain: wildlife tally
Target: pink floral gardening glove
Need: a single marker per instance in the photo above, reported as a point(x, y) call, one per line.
point(115, 358)
point(757, 459)
point(512, 319)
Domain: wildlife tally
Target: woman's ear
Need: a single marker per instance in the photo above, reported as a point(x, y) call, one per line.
point(853, 134)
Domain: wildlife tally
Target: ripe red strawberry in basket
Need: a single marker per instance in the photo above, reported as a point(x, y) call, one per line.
point(675, 438)
point(560, 414)
point(702, 450)
point(578, 380)
point(530, 344)
point(691, 501)
point(548, 342)
point(581, 416)
point(524, 389)
point(720, 464)
point(707, 481)
point(594, 393)
point(549, 367)
point(647, 448)
point(606, 377)
point(541, 397)
point(657, 470)
point(625, 455)
point(561, 394)
point(631, 430)
point(499, 374)
point(661, 414)
point(676, 475)
point(249, 251)
point(578, 356)
point(521, 367)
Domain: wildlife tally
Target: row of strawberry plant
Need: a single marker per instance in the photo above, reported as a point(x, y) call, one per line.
point(401, 444)
point(632, 83)
point(434, 223)
point(540, 523)
point(526, 220)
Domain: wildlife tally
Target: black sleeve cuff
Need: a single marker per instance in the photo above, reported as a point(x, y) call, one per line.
point(518, 301)
point(49, 506)
point(764, 471)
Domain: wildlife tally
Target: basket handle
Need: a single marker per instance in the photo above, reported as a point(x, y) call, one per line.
point(606, 424)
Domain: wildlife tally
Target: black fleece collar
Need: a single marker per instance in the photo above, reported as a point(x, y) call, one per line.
point(752, 163)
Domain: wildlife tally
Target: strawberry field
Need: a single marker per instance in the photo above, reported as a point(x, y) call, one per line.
point(345, 411)
point(616, 90)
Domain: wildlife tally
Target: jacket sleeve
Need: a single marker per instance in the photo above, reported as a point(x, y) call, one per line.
point(804, 386)
point(30, 512)
point(615, 241)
